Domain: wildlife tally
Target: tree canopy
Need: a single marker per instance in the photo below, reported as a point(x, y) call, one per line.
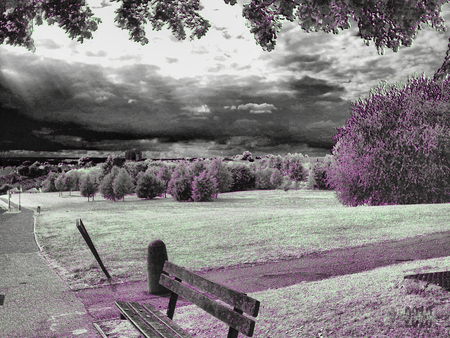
point(388, 23)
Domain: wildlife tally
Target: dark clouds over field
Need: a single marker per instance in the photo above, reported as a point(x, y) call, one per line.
point(219, 95)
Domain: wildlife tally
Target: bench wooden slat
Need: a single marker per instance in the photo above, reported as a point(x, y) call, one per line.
point(150, 321)
point(234, 298)
point(238, 321)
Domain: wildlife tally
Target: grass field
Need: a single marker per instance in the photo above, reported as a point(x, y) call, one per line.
point(257, 226)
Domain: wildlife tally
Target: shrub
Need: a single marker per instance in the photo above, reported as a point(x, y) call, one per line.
point(318, 175)
point(293, 167)
point(276, 178)
point(220, 172)
point(149, 186)
point(123, 184)
point(204, 186)
point(242, 178)
point(88, 186)
point(264, 179)
point(180, 183)
point(394, 148)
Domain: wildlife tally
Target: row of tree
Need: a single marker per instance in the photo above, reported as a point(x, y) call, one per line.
point(201, 180)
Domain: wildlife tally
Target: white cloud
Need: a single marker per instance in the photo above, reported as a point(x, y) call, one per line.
point(254, 108)
point(199, 110)
point(101, 99)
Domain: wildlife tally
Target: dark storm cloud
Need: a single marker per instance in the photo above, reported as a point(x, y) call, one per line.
point(312, 88)
point(73, 106)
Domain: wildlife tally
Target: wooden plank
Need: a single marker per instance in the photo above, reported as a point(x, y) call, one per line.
point(232, 297)
point(138, 323)
point(238, 321)
point(177, 330)
point(150, 322)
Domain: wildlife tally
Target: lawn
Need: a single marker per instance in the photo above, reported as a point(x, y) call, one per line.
point(249, 227)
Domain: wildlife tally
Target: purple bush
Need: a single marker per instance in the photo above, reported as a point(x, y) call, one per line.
point(394, 148)
point(149, 186)
point(180, 183)
point(268, 179)
point(242, 178)
point(204, 186)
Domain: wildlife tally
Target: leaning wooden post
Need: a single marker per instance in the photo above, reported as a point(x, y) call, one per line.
point(91, 246)
point(156, 256)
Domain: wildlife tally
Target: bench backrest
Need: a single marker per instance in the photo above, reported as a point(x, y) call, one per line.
point(189, 290)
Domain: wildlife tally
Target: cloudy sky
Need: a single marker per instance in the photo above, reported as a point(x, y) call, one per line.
point(217, 96)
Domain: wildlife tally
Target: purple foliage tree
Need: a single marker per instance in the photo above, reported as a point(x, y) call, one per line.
point(395, 147)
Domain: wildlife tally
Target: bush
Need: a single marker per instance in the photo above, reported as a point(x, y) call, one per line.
point(149, 186)
point(220, 172)
point(318, 175)
point(293, 167)
point(180, 183)
point(268, 179)
point(204, 186)
point(276, 178)
point(242, 178)
point(394, 148)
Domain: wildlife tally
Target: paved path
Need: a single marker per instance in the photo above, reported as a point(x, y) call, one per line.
point(37, 303)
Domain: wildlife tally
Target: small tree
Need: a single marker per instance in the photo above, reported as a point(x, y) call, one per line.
point(106, 186)
point(69, 183)
point(88, 187)
point(123, 184)
point(49, 183)
point(165, 174)
point(59, 183)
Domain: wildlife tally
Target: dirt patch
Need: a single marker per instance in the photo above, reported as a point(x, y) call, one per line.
point(252, 278)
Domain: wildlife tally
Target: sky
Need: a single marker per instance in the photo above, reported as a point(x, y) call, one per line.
point(217, 96)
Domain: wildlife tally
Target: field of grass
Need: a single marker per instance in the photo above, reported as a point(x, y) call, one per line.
point(250, 227)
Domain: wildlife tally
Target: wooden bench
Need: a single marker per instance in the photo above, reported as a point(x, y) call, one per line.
point(199, 291)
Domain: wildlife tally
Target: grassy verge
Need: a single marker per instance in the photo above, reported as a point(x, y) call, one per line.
point(258, 226)
point(369, 304)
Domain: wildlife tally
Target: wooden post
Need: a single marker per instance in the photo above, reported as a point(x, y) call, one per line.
point(91, 246)
point(156, 256)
